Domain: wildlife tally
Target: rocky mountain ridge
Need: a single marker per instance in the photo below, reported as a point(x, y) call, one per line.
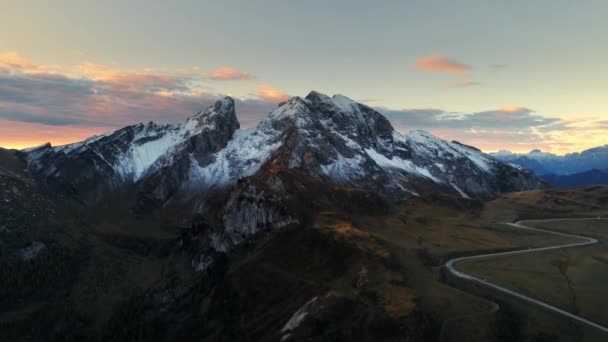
point(236, 183)
point(331, 138)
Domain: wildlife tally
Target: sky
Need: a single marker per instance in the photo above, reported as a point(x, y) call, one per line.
point(513, 75)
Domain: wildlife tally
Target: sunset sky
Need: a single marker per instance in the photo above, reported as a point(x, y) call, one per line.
point(513, 75)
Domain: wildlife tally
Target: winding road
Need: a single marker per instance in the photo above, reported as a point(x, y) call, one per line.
point(450, 265)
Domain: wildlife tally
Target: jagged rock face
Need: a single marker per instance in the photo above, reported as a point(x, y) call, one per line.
point(275, 199)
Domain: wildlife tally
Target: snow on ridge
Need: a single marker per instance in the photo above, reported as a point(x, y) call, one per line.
point(344, 103)
point(159, 141)
point(140, 157)
point(401, 164)
point(478, 158)
point(424, 142)
point(34, 148)
point(243, 156)
point(423, 137)
point(290, 108)
point(69, 148)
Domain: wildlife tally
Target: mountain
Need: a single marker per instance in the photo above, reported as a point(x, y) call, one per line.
point(543, 163)
point(335, 139)
point(177, 232)
point(167, 156)
point(237, 183)
point(335, 263)
point(591, 177)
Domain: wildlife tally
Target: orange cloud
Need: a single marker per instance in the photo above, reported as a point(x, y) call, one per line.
point(229, 74)
point(270, 93)
point(463, 84)
point(439, 63)
point(14, 60)
point(16, 63)
point(130, 80)
point(18, 135)
point(96, 71)
point(512, 109)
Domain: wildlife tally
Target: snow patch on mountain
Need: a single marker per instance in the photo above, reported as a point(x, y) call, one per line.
point(149, 145)
point(401, 164)
point(245, 153)
point(476, 157)
point(344, 169)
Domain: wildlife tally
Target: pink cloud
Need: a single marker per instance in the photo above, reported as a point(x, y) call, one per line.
point(270, 93)
point(441, 64)
point(229, 74)
point(14, 62)
point(463, 84)
point(512, 109)
point(73, 102)
point(18, 135)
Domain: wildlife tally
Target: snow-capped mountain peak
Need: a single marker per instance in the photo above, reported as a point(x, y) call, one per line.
point(209, 118)
point(331, 138)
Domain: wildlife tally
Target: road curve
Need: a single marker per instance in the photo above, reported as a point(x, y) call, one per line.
point(450, 265)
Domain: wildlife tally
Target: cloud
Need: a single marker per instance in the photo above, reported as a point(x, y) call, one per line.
point(441, 64)
point(602, 124)
point(96, 97)
point(229, 74)
point(511, 127)
point(40, 103)
point(514, 109)
point(509, 116)
point(461, 84)
point(27, 117)
point(17, 134)
point(270, 93)
point(60, 100)
point(13, 62)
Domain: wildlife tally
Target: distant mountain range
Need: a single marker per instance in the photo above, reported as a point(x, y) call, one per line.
point(543, 163)
point(578, 179)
